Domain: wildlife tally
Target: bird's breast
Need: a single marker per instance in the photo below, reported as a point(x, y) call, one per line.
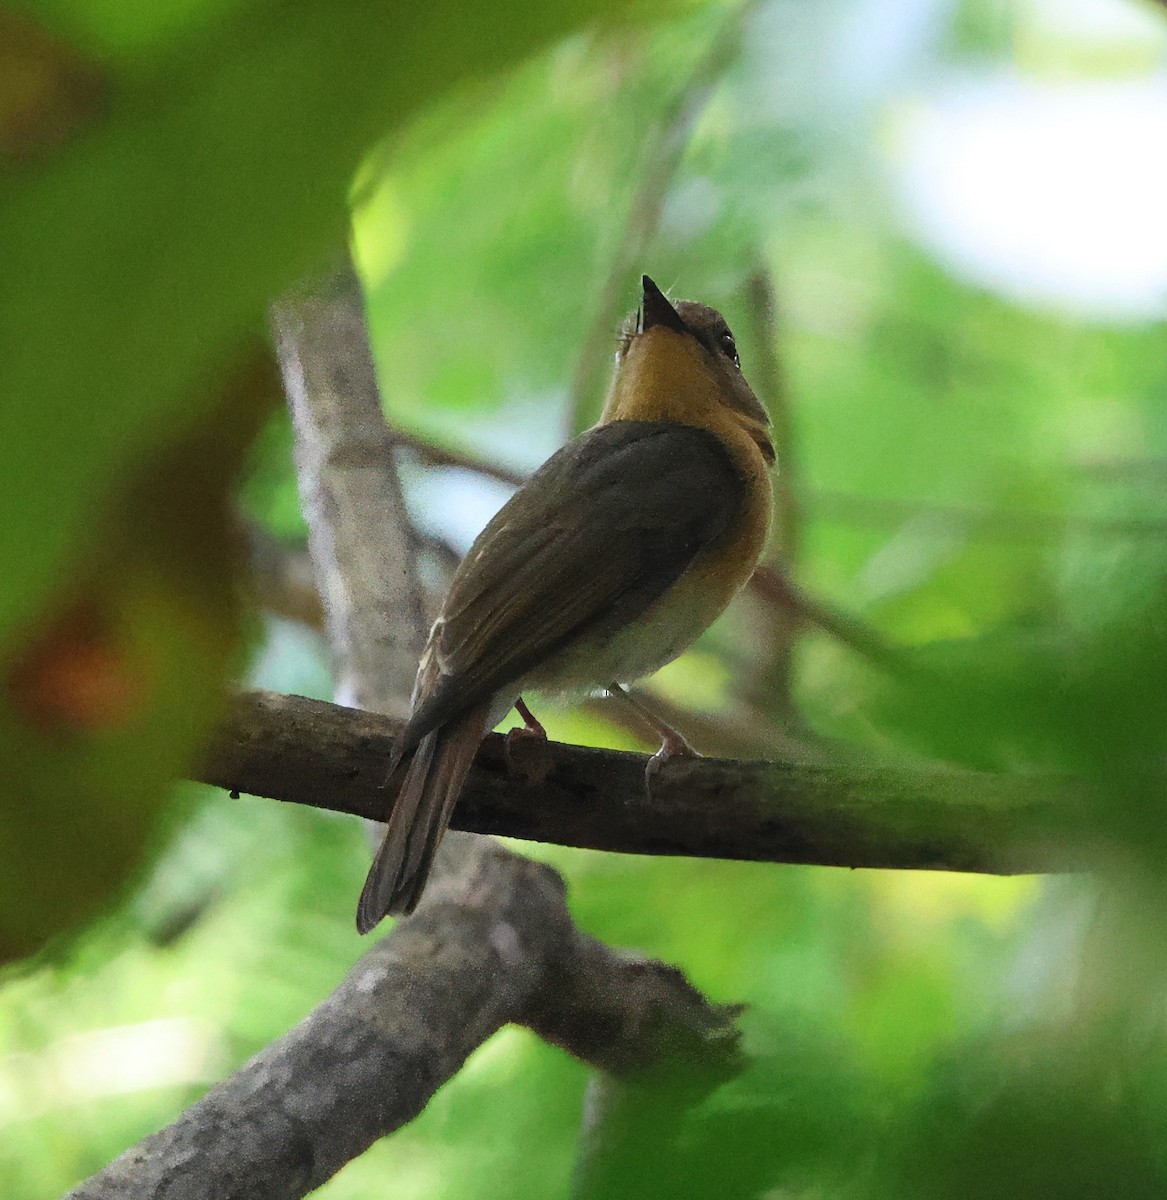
point(672, 623)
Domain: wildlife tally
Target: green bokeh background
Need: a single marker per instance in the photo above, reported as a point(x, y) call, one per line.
point(981, 481)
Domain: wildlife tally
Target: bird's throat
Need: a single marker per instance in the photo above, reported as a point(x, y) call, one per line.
point(662, 377)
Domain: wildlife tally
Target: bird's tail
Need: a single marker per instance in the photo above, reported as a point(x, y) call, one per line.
point(419, 818)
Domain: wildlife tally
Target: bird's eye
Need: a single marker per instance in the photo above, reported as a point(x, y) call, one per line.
point(728, 347)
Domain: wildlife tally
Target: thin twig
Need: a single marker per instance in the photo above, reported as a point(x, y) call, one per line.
point(769, 683)
point(281, 578)
point(663, 152)
point(442, 456)
point(782, 592)
point(948, 520)
point(877, 511)
point(768, 376)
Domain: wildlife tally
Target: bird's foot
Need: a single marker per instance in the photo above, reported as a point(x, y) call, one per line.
point(673, 745)
point(532, 727)
point(530, 731)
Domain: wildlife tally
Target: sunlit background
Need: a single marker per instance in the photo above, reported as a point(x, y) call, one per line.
point(959, 207)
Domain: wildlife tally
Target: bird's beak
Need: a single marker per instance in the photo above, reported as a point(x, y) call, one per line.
point(655, 309)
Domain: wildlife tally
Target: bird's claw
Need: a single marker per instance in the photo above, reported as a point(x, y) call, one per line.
point(530, 731)
point(672, 746)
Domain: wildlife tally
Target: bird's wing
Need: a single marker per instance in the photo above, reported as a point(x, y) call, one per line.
point(597, 534)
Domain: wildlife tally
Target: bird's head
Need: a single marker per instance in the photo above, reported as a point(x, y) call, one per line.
point(679, 362)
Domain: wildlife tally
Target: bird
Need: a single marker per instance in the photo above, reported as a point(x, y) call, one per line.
point(606, 564)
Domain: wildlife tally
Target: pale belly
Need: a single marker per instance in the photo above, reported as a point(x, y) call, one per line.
point(661, 633)
point(664, 632)
point(667, 628)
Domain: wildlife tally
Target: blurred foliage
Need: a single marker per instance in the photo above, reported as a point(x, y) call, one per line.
point(982, 483)
point(164, 173)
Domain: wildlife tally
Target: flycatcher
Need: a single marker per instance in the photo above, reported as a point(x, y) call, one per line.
point(605, 565)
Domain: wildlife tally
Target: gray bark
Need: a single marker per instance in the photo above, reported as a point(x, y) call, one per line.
point(833, 813)
point(359, 536)
point(493, 943)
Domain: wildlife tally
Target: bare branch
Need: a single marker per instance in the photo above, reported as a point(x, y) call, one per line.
point(359, 536)
point(770, 382)
point(491, 944)
point(831, 813)
point(281, 579)
point(768, 681)
point(440, 456)
point(780, 590)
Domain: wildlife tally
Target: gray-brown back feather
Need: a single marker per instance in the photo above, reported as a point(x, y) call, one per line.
point(604, 528)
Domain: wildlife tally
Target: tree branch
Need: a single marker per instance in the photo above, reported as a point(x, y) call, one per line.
point(281, 579)
point(359, 536)
point(833, 814)
point(442, 456)
point(493, 943)
point(766, 682)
